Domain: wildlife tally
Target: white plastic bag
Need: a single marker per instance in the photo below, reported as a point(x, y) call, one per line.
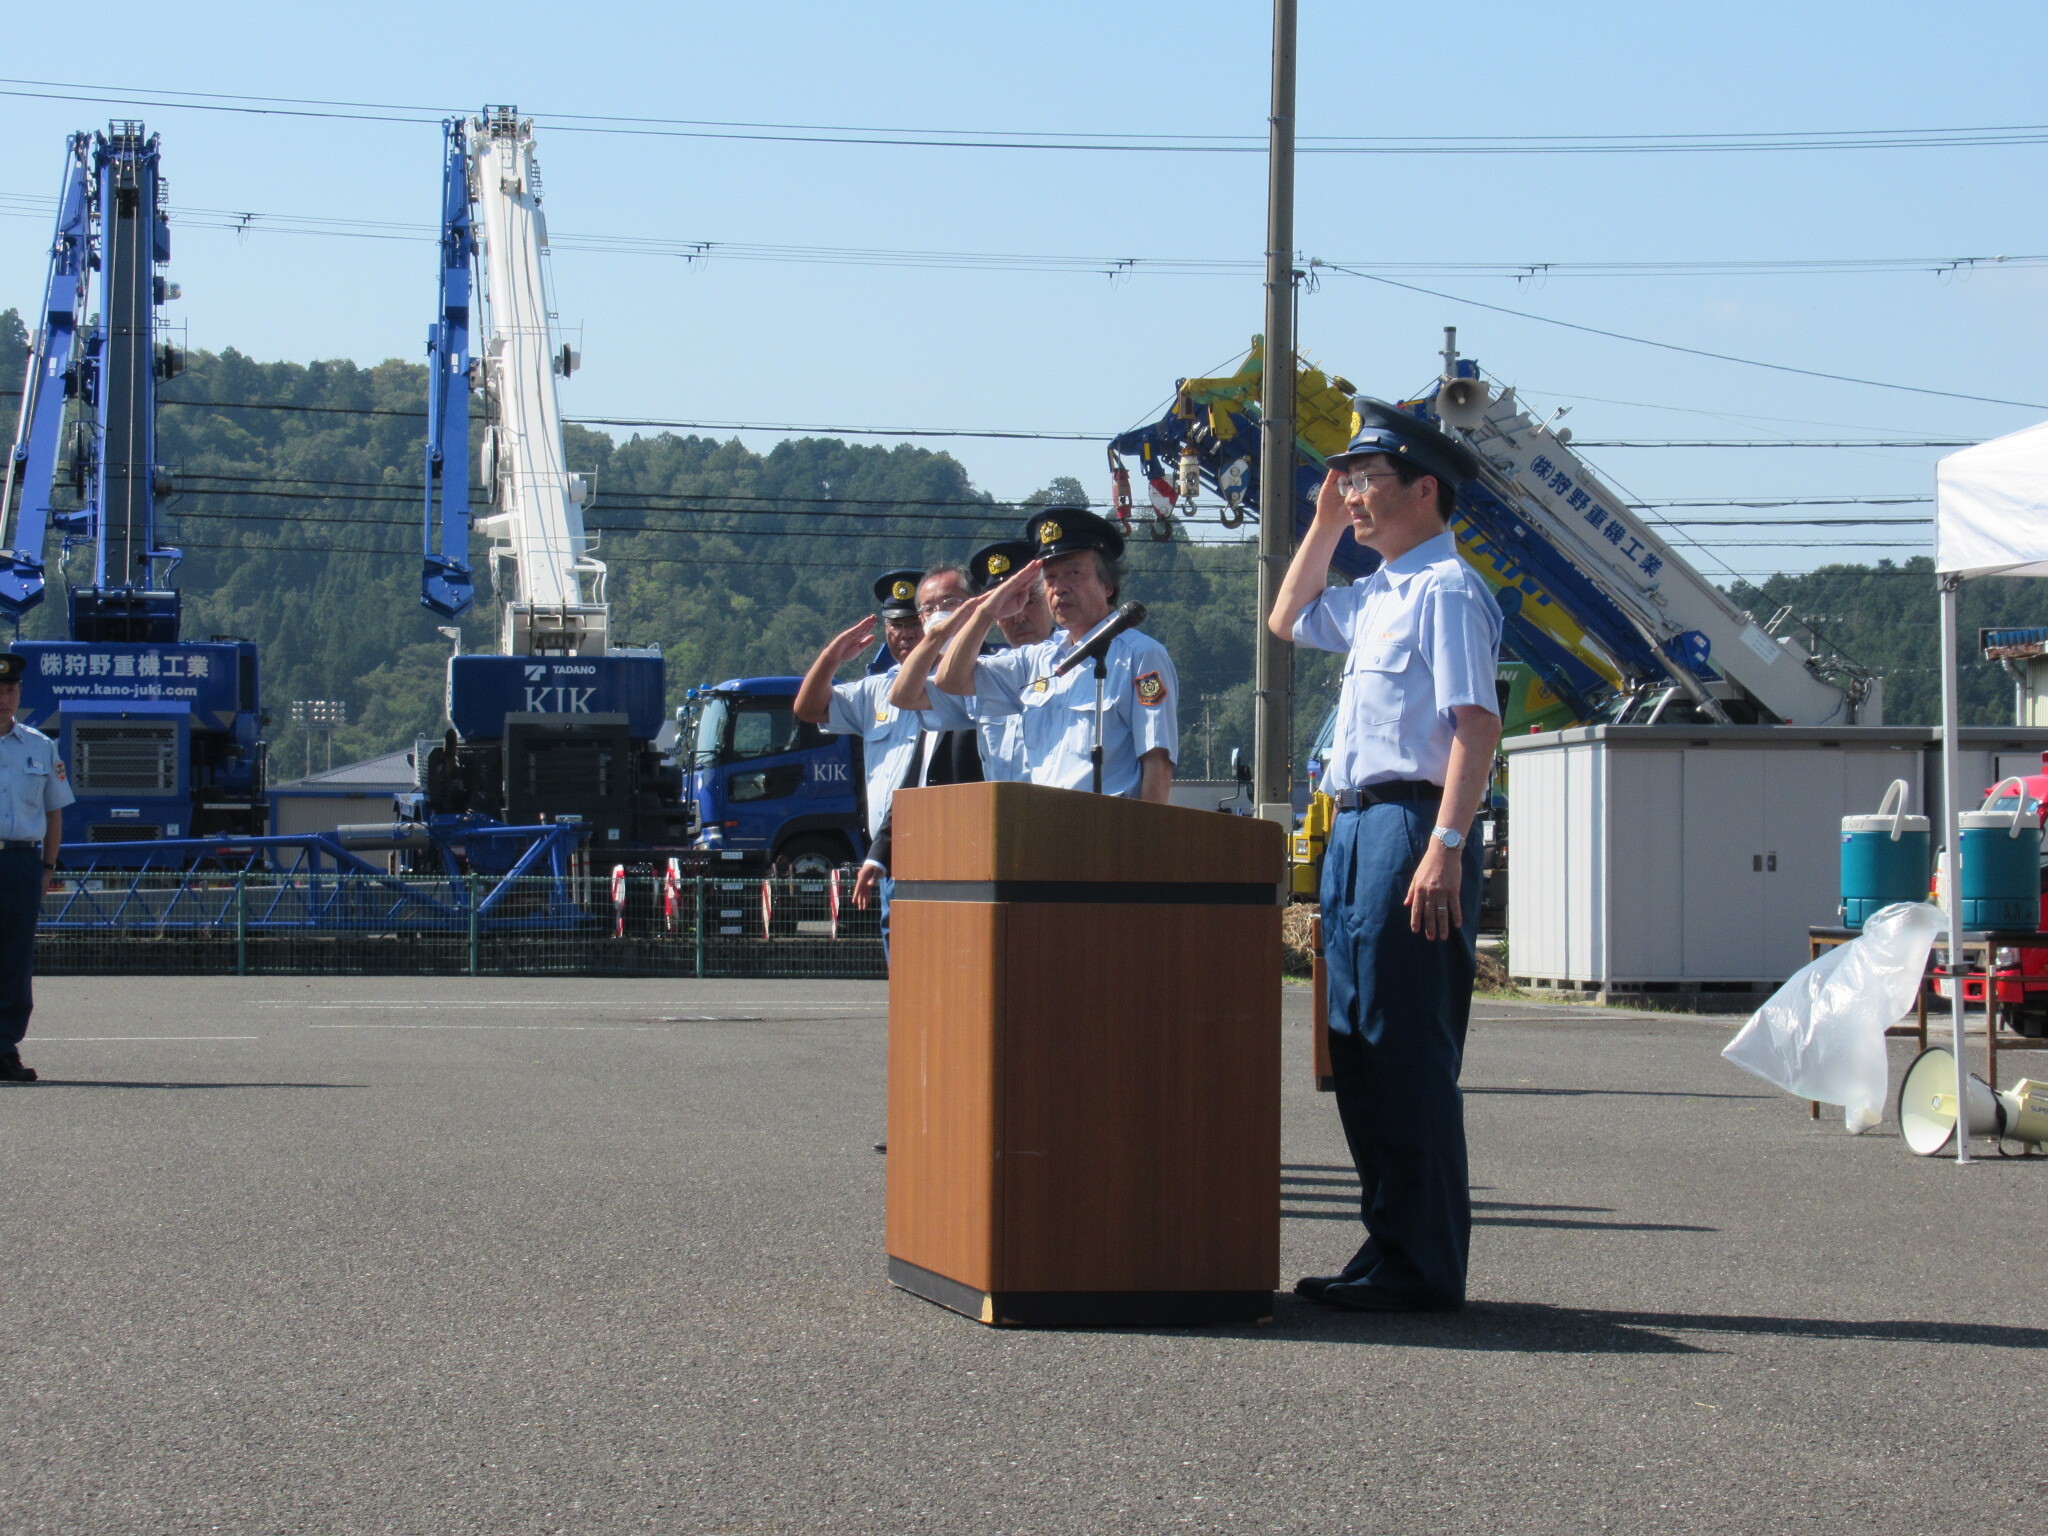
point(1821, 1035)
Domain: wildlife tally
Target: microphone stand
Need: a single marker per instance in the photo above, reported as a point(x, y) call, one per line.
point(1095, 753)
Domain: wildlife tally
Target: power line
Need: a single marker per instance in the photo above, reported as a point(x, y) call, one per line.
point(1069, 140)
point(248, 221)
point(1667, 346)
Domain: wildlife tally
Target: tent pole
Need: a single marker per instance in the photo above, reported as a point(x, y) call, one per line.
point(1951, 782)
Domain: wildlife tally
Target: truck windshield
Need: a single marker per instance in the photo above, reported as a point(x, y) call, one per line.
point(711, 718)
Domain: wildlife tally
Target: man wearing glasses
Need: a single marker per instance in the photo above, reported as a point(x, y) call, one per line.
point(1417, 724)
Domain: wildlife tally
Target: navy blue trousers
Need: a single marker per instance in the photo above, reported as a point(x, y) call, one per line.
point(1398, 1007)
point(21, 899)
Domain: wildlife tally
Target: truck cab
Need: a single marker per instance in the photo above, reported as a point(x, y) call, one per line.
point(770, 787)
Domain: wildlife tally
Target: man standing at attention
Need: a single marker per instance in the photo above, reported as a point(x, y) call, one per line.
point(1080, 557)
point(1417, 724)
point(33, 794)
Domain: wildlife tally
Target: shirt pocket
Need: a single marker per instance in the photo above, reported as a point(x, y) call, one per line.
point(1375, 681)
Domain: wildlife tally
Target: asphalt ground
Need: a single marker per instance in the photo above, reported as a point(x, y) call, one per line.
point(449, 1256)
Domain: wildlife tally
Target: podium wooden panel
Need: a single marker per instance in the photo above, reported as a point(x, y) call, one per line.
point(1084, 1058)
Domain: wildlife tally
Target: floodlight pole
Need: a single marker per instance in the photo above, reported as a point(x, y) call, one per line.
point(1273, 701)
point(1951, 788)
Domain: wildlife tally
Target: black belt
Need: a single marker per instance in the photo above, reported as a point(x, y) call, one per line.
point(1395, 789)
point(19, 842)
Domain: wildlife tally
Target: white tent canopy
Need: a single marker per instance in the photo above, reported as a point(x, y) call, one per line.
point(1991, 508)
point(1990, 519)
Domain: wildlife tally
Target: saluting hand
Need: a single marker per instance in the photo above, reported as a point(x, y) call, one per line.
point(850, 642)
point(1330, 509)
point(1011, 598)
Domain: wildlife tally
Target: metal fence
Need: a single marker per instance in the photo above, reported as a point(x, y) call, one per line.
point(216, 923)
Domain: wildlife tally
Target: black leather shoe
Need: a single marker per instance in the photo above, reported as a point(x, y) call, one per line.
point(12, 1071)
point(1313, 1286)
point(1357, 1296)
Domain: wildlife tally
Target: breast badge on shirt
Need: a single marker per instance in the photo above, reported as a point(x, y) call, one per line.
point(882, 714)
point(1039, 685)
point(1151, 691)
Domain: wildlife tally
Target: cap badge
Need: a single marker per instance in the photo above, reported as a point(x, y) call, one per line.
point(997, 564)
point(1049, 532)
point(903, 591)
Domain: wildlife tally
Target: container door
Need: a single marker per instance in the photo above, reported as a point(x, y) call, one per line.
point(1723, 829)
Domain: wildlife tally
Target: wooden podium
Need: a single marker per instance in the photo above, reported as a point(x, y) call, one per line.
point(1084, 1058)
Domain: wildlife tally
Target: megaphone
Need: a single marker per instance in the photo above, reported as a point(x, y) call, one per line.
point(1927, 1106)
point(1462, 403)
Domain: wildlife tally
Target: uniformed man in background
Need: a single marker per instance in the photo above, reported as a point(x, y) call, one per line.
point(889, 736)
point(1080, 558)
point(33, 793)
point(1417, 724)
point(1002, 736)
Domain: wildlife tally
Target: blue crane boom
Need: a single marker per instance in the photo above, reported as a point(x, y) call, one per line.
point(51, 379)
point(447, 584)
point(163, 736)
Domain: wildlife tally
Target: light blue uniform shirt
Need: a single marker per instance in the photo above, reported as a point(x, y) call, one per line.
point(32, 784)
point(1001, 738)
point(1140, 699)
point(889, 735)
point(1422, 636)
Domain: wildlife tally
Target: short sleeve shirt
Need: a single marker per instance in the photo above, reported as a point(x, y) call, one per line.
point(33, 783)
point(1001, 738)
point(888, 735)
point(1141, 702)
point(1420, 637)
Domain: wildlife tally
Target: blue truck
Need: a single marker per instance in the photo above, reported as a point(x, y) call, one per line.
point(770, 788)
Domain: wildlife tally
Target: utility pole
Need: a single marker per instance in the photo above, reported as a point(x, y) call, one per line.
point(1273, 704)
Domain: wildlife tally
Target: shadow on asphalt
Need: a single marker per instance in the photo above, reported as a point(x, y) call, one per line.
point(90, 1082)
point(1563, 1223)
point(1616, 1093)
point(1536, 1328)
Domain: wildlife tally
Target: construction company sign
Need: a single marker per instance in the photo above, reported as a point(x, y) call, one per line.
point(65, 671)
point(483, 690)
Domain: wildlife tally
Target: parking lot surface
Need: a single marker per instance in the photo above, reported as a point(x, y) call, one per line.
point(450, 1256)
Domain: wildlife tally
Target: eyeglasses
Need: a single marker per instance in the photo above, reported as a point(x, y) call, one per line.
point(940, 605)
point(1358, 479)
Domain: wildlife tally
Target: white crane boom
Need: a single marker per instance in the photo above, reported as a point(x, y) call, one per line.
point(543, 565)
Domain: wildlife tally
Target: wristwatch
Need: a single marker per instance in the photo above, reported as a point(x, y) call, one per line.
point(1450, 837)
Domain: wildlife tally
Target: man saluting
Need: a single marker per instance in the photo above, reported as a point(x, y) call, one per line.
point(1080, 558)
point(1417, 724)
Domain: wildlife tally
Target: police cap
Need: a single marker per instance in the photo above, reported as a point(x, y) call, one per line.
point(897, 593)
point(993, 563)
point(1062, 530)
point(12, 667)
point(1384, 428)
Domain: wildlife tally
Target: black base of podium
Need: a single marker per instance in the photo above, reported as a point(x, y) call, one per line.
point(1085, 1309)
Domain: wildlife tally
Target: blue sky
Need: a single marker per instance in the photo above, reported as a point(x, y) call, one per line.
point(786, 342)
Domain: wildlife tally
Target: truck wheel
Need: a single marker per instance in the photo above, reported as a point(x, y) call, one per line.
point(812, 857)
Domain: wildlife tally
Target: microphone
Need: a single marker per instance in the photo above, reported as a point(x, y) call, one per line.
point(1096, 646)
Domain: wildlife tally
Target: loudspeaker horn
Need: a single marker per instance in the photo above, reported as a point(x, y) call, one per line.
point(1927, 1106)
point(1462, 403)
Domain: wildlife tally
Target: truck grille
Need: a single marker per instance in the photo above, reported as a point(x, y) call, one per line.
point(125, 759)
